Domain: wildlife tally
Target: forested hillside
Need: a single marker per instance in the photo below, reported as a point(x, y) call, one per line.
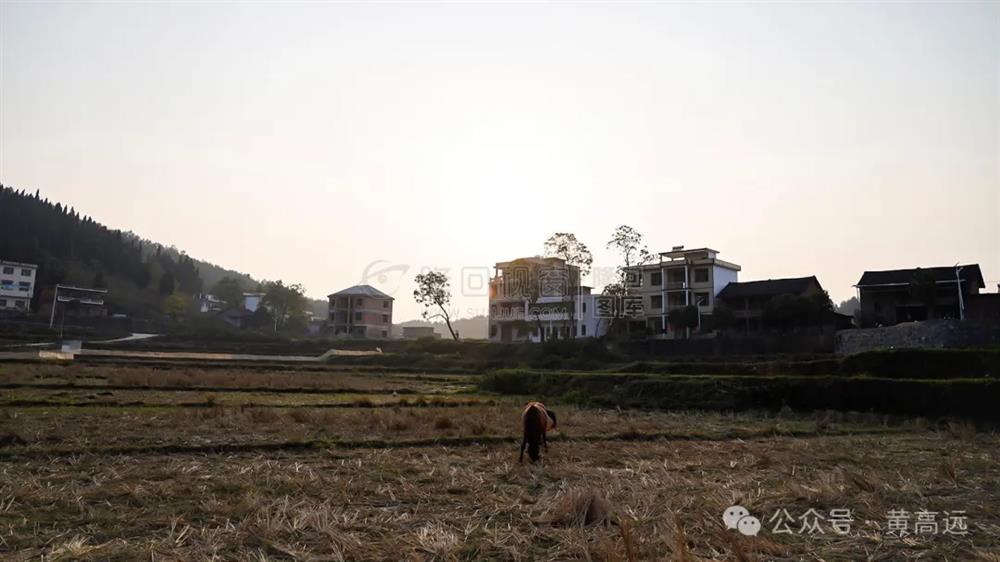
point(73, 249)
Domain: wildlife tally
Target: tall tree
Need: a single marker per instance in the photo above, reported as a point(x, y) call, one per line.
point(166, 283)
point(230, 291)
point(628, 243)
point(286, 302)
point(433, 292)
point(564, 245)
point(176, 306)
point(685, 318)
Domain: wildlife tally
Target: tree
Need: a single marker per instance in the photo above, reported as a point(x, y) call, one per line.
point(260, 319)
point(285, 301)
point(849, 306)
point(684, 318)
point(167, 283)
point(230, 291)
point(176, 306)
point(565, 246)
point(432, 291)
point(141, 276)
point(628, 243)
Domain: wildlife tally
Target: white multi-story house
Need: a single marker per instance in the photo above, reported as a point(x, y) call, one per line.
point(679, 279)
point(535, 298)
point(17, 285)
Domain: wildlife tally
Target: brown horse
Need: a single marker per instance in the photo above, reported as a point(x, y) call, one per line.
point(537, 420)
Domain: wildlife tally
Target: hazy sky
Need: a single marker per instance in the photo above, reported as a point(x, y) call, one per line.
point(306, 141)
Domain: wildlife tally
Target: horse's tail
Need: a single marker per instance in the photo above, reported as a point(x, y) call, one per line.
point(533, 429)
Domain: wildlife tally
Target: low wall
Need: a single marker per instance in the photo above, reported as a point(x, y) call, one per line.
point(933, 334)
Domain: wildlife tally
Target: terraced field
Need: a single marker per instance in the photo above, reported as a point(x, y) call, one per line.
point(124, 463)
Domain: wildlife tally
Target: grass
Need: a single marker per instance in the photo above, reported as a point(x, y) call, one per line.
point(476, 502)
point(222, 380)
point(431, 473)
point(963, 398)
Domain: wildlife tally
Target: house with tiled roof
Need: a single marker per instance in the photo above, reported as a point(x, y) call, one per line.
point(748, 299)
point(360, 311)
point(908, 295)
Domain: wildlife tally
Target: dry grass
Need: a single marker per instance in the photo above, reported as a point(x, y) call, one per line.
point(215, 422)
point(596, 501)
point(217, 378)
point(580, 508)
point(605, 491)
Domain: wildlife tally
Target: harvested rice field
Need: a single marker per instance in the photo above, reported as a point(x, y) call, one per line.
point(384, 466)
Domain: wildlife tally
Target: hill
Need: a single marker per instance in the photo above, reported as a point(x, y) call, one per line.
point(77, 250)
point(475, 328)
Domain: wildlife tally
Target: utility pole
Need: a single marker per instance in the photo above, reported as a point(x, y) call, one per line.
point(961, 301)
point(52, 317)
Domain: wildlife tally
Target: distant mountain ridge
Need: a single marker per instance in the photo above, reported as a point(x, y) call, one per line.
point(474, 328)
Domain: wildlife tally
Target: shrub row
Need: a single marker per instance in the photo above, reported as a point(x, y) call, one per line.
point(974, 399)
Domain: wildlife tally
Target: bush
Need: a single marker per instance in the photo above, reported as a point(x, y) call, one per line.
point(973, 399)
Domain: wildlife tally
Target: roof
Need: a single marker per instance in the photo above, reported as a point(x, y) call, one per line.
point(18, 263)
point(943, 274)
point(680, 251)
point(768, 288)
point(538, 260)
point(361, 291)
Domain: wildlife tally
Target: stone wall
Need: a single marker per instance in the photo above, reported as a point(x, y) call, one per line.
point(933, 334)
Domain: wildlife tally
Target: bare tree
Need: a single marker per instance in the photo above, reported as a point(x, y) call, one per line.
point(628, 243)
point(432, 291)
point(565, 246)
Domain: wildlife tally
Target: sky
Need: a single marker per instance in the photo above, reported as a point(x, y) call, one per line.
point(332, 144)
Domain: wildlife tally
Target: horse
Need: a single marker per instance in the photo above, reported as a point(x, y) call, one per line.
point(536, 419)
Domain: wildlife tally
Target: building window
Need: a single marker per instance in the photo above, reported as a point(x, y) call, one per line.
point(24, 286)
point(385, 318)
point(342, 302)
point(3, 303)
point(359, 302)
point(8, 271)
point(584, 303)
point(583, 329)
point(385, 304)
point(384, 333)
point(357, 316)
point(493, 330)
point(702, 299)
point(656, 301)
point(656, 278)
point(19, 304)
point(675, 299)
point(701, 275)
point(25, 273)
